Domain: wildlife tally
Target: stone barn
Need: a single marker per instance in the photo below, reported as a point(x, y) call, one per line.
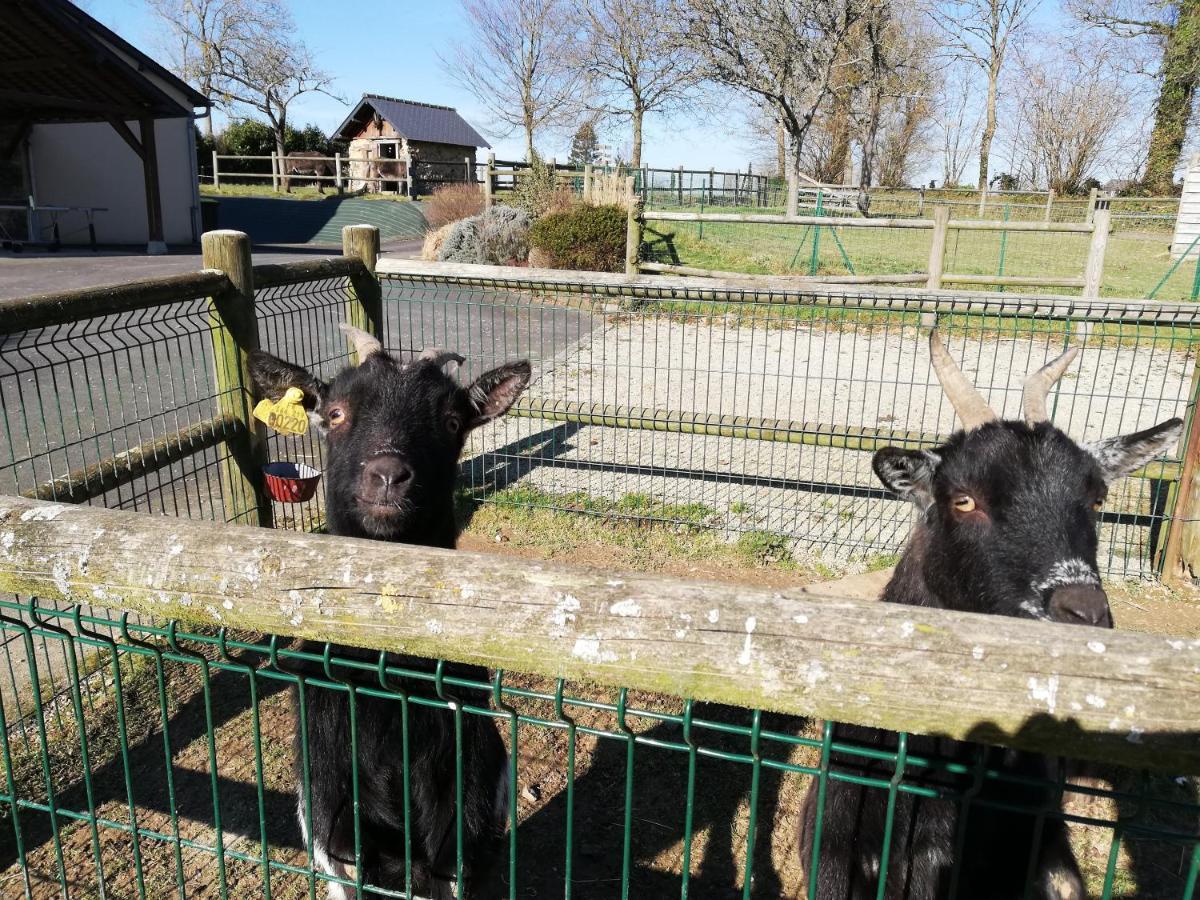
point(403, 146)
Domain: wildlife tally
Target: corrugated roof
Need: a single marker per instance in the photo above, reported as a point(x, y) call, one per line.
point(416, 121)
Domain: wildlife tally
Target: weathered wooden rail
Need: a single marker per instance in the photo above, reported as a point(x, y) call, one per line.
point(1095, 694)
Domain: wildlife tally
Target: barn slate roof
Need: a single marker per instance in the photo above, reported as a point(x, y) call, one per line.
point(413, 120)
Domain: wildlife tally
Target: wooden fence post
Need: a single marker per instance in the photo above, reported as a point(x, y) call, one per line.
point(711, 175)
point(633, 228)
point(489, 181)
point(1093, 196)
point(681, 186)
point(1049, 202)
point(364, 296)
point(216, 171)
point(234, 337)
point(337, 171)
point(469, 169)
point(937, 247)
point(1093, 271)
point(983, 195)
point(1181, 554)
point(587, 182)
point(920, 202)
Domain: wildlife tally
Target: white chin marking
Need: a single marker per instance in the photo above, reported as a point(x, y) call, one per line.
point(1067, 571)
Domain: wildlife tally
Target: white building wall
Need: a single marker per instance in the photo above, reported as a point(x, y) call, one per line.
point(1187, 224)
point(88, 164)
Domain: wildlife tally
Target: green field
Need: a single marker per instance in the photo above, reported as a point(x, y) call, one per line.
point(1135, 262)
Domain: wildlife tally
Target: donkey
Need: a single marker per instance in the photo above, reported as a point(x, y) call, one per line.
point(394, 434)
point(1007, 527)
point(306, 162)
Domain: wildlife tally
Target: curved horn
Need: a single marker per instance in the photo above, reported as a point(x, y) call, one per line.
point(972, 409)
point(1037, 386)
point(440, 357)
point(364, 344)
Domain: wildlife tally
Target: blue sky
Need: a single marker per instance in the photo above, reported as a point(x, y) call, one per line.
point(392, 48)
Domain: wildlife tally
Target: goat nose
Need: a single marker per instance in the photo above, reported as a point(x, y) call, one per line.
point(389, 470)
point(1080, 604)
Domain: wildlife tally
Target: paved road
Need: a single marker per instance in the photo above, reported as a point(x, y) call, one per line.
point(22, 274)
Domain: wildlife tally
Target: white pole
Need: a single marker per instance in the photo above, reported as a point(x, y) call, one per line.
point(216, 171)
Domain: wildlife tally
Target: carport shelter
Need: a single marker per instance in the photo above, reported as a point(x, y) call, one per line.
point(92, 127)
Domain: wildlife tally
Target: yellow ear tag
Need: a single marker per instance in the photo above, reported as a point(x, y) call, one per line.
point(286, 415)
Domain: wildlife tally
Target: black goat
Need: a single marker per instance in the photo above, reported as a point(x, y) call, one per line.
point(394, 434)
point(1008, 516)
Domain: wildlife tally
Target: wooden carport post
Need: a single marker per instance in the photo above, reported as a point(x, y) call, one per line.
point(147, 151)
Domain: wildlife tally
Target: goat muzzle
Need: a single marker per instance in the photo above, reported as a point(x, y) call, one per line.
point(1080, 604)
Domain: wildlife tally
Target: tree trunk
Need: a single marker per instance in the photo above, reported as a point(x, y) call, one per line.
point(793, 177)
point(989, 128)
point(781, 149)
point(280, 128)
point(839, 149)
point(638, 114)
point(1180, 72)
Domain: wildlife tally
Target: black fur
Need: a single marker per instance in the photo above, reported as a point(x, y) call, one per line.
point(414, 419)
point(1029, 542)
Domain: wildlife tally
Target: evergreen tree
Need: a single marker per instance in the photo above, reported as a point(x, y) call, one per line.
point(585, 146)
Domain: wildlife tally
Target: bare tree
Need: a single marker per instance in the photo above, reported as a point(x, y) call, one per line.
point(780, 52)
point(521, 62)
point(267, 69)
point(958, 124)
point(635, 60)
point(1166, 34)
point(980, 31)
point(1071, 108)
point(200, 29)
point(244, 53)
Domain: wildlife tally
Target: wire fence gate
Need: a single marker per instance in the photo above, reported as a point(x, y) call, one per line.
point(146, 742)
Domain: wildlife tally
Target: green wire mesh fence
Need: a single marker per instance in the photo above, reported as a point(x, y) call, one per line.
point(148, 758)
point(758, 411)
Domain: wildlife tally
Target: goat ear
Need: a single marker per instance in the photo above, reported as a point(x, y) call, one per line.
point(1119, 456)
point(907, 473)
point(492, 393)
point(272, 376)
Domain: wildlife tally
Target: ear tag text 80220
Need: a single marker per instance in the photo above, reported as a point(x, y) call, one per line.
point(286, 415)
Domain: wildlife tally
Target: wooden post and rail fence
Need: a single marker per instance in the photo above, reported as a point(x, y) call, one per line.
point(939, 225)
point(1115, 696)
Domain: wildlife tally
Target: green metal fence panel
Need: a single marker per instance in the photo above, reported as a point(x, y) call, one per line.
point(144, 758)
point(720, 409)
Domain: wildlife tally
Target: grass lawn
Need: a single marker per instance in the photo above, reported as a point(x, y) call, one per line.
point(1134, 264)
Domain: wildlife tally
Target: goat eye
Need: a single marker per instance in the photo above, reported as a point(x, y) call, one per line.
point(964, 503)
point(336, 416)
point(1097, 505)
point(452, 424)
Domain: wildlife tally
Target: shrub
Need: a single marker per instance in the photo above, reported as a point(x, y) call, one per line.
point(587, 237)
point(432, 247)
point(538, 192)
point(452, 202)
point(462, 242)
point(504, 235)
point(498, 236)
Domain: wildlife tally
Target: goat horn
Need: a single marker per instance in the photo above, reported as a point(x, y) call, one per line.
point(1037, 386)
point(972, 409)
point(440, 357)
point(364, 344)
